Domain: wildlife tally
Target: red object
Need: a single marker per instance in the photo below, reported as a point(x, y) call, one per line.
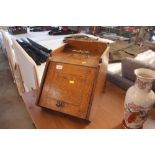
point(65, 28)
point(126, 127)
point(132, 117)
point(130, 29)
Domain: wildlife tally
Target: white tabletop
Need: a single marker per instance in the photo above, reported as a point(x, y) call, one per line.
point(50, 41)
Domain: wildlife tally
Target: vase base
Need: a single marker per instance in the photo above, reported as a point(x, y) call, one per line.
point(126, 127)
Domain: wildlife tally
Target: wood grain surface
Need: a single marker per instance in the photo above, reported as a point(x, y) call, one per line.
point(106, 112)
point(70, 77)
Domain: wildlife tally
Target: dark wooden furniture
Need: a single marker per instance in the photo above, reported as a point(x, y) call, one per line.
point(70, 77)
point(17, 30)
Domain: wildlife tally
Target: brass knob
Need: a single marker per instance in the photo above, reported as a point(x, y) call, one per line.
point(59, 103)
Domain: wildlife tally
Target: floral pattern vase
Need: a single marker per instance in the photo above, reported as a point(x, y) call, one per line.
point(139, 99)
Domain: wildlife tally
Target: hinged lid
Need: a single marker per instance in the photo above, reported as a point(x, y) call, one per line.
point(82, 52)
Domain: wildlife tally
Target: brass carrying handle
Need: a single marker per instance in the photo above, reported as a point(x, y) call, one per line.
point(81, 52)
point(86, 53)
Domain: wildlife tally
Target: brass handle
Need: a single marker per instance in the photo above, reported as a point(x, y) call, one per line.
point(59, 103)
point(86, 53)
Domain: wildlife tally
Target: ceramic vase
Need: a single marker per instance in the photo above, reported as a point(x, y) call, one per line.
point(139, 99)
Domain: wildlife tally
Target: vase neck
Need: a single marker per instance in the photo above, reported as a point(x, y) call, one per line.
point(143, 85)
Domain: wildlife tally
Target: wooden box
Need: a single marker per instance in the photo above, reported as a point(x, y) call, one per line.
point(70, 77)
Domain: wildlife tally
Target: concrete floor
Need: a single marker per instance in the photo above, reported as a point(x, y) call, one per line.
point(13, 113)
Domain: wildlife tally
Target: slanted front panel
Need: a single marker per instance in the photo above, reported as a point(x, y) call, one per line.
point(68, 88)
